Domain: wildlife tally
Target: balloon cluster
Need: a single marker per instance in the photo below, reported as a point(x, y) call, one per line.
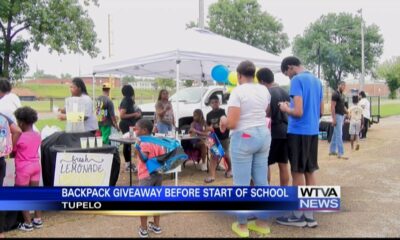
point(221, 74)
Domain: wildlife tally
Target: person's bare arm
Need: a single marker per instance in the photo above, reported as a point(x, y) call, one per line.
point(15, 133)
point(233, 117)
point(192, 129)
point(203, 133)
point(140, 156)
point(124, 115)
point(161, 111)
point(62, 116)
point(114, 123)
point(296, 111)
point(269, 110)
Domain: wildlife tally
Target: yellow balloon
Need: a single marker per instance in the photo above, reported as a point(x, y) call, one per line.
point(229, 89)
point(255, 76)
point(232, 78)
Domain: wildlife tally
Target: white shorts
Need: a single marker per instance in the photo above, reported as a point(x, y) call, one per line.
point(354, 128)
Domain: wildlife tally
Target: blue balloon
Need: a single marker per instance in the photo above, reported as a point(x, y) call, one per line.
point(220, 73)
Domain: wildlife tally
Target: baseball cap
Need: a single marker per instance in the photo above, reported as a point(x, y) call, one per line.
point(106, 86)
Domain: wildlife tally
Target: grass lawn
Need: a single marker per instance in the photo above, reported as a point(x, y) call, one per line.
point(390, 109)
point(41, 123)
point(62, 91)
point(43, 105)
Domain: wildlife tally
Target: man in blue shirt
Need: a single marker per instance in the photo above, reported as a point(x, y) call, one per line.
point(304, 111)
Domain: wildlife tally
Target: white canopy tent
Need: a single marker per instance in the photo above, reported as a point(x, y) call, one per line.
point(192, 57)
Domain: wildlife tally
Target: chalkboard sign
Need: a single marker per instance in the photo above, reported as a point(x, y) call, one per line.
point(82, 169)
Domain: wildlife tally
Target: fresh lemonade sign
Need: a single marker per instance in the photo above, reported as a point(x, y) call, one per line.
point(82, 169)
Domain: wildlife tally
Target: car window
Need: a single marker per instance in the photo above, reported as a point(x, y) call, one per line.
point(189, 95)
point(225, 98)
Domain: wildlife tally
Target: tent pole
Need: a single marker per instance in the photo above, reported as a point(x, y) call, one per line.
point(94, 83)
point(177, 89)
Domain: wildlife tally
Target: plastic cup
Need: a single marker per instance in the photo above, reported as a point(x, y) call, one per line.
point(83, 142)
point(99, 141)
point(92, 142)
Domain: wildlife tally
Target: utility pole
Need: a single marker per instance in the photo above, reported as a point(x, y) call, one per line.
point(110, 78)
point(201, 14)
point(362, 79)
point(109, 35)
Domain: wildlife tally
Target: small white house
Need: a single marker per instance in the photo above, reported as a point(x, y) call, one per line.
point(143, 84)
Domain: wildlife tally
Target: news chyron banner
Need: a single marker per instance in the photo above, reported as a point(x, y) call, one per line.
point(171, 198)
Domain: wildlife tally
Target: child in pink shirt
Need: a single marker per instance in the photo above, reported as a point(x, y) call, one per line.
point(27, 165)
point(149, 150)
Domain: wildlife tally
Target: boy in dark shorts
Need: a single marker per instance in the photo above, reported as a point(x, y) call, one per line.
point(213, 122)
point(305, 109)
point(278, 152)
point(149, 150)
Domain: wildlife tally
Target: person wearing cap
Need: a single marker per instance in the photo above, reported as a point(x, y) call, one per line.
point(106, 114)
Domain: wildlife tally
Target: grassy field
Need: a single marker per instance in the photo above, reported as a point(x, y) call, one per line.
point(62, 91)
point(44, 105)
point(41, 123)
point(390, 109)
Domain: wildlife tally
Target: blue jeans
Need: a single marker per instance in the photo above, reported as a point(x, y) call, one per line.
point(337, 137)
point(249, 158)
point(163, 127)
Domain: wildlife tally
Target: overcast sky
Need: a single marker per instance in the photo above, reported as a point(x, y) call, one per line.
point(137, 24)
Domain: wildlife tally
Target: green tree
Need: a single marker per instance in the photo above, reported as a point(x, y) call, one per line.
point(244, 21)
point(63, 26)
point(188, 83)
point(128, 79)
point(18, 53)
point(66, 76)
point(390, 71)
point(165, 83)
point(338, 39)
point(191, 24)
point(40, 74)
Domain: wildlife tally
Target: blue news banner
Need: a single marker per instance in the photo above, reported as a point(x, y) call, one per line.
point(171, 198)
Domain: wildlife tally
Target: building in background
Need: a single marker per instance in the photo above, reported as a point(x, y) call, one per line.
point(115, 81)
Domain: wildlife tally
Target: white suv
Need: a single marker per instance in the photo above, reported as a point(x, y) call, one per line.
point(186, 100)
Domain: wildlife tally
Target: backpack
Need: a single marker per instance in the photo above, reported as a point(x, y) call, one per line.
point(172, 158)
point(5, 137)
point(216, 148)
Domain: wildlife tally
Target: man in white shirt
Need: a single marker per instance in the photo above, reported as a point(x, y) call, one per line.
point(365, 105)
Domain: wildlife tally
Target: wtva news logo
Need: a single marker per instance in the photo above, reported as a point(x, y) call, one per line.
point(319, 198)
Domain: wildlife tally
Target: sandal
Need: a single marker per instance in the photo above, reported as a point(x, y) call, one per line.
point(228, 175)
point(241, 233)
point(254, 227)
point(209, 180)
